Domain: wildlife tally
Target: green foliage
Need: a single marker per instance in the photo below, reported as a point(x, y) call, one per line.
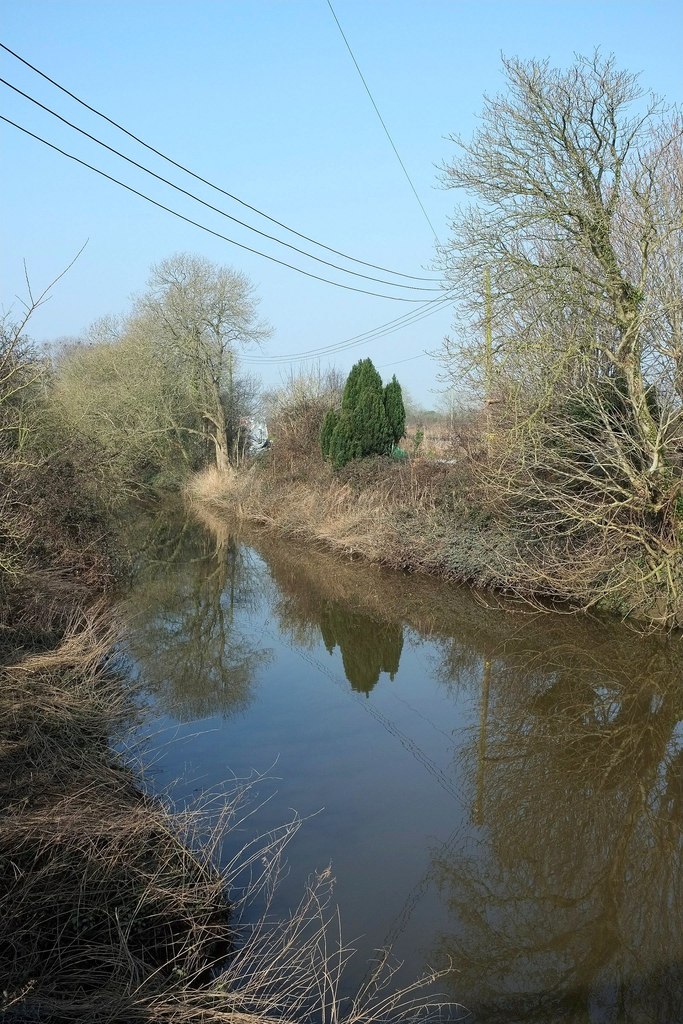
point(370, 425)
point(344, 444)
point(372, 418)
point(363, 377)
point(395, 409)
point(326, 432)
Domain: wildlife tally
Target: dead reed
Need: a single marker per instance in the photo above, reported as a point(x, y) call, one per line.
point(114, 907)
point(391, 515)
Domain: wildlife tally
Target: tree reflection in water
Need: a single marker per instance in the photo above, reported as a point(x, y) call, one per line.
point(566, 900)
point(368, 646)
point(189, 645)
point(571, 909)
point(311, 602)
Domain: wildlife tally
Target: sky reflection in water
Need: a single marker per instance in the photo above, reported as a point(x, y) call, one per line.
point(494, 786)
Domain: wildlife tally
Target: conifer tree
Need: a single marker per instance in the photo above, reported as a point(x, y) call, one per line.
point(370, 379)
point(326, 432)
point(350, 394)
point(371, 428)
point(371, 420)
point(395, 409)
point(363, 376)
point(343, 445)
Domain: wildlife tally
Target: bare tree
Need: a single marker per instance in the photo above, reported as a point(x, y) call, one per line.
point(201, 314)
point(571, 261)
point(154, 388)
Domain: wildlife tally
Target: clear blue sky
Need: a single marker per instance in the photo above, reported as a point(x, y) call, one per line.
point(261, 96)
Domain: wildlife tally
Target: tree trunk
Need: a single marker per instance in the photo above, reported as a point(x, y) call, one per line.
point(219, 434)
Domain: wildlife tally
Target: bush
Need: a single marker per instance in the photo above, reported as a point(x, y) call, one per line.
point(371, 420)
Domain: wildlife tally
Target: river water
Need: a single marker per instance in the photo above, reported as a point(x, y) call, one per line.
point(495, 786)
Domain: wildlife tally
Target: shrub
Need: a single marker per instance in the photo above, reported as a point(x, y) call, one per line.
point(395, 409)
point(371, 420)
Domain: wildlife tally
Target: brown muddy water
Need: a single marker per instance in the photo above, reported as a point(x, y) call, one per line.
point(490, 785)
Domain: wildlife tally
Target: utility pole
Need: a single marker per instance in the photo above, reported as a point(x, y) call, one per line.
point(488, 359)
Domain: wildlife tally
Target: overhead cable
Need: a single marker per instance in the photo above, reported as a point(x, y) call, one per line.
point(202, 227)
point(202, 202)
point(409, 359)
point(381, 331)
point(198, 177)
point(381, 119)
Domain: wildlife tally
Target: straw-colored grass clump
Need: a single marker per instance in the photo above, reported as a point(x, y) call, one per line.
point(114, 907)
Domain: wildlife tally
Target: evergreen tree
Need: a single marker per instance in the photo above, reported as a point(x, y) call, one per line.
point(350, 395)
point(326, 432)
point(371, 428)
point(363, 376)
point(369, 422)
point(370, 379)
point(343, 444)
point(395, 409)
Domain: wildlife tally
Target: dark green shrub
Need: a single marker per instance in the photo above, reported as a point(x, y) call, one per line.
point(344, 444)
point(395, 409)
point(371, 421)
point(363, 377)
point(370, 425)
point(326, 432)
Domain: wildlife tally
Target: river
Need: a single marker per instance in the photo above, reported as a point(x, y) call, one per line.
point(491, 785)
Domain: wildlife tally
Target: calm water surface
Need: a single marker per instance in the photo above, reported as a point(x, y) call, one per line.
point(490, 785)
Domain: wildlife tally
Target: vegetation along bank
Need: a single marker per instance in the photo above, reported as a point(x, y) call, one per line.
point(564, 480)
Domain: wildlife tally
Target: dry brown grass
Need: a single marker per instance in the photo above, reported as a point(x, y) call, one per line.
point(370, 509)
point(114, 907)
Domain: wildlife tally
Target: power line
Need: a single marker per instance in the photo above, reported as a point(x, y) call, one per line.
point(406, 320)
point(360, 339)
point(386, 130)
point(202, 227)
point(209, 206)
point(409, 359)
point(205, 181)
point(350, 344)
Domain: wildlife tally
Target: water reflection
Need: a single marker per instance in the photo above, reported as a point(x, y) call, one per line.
point(187, 641)
point(571, 909)
point(313, 603)
point(561, 883)
point(368, 647)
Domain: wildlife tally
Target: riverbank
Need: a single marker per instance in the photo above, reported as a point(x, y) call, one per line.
point(397, 514)
point(103, 901)
point(435, 517)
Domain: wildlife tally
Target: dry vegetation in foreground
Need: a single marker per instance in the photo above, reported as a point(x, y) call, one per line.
point(113, 907)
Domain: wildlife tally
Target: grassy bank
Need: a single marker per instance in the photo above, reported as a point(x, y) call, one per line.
point(416, 515)
point(401, 514)
point(440, 517)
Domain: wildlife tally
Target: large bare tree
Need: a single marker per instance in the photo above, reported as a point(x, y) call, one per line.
point(202, 314)
point(570, 264)
point(155, 388)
